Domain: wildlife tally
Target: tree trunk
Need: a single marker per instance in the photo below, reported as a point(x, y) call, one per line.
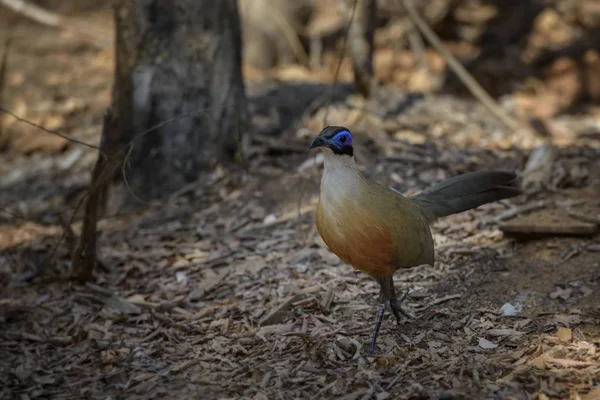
point(178, 92)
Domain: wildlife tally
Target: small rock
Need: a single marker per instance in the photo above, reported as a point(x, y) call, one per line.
point(181, 277)
point(486, 344)
point(508, 310)
point(301, 267)
point(562, 293)
point(269, 219)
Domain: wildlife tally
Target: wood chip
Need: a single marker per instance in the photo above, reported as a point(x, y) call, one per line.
point(111, 300)
point(504, 332)
point(278, 313)
point(328, 299)
point(272, 329)
point(200, 291)
point(185, 365)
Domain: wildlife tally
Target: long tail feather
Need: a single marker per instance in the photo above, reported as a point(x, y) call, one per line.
point(465, 192)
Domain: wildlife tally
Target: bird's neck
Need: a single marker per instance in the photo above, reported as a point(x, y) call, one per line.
point(341, 178)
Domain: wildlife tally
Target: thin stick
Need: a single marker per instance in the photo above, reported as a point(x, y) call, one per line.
point(70, 139)
point(33, 12)
point(4, 70)
point(53, 20)
point(84, 257)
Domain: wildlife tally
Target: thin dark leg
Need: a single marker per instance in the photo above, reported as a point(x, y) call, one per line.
point(396, 306)
point(397, 310)
point(380, 313)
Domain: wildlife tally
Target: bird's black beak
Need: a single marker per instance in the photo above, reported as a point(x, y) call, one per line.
point(319, 141)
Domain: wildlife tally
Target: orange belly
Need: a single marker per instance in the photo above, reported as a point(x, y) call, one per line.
point(358, 240)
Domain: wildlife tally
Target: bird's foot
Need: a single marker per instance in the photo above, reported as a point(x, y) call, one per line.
point(396, 306)
point(397, 310)
point(371, 351)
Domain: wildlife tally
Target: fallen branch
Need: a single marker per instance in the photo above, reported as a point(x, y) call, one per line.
point(573, 228)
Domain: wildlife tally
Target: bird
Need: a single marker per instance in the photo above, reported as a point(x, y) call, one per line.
point(378, 230)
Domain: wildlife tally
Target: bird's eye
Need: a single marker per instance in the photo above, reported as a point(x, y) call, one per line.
point(343, 139)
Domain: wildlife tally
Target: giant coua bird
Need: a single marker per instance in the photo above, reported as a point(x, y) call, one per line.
point(379, 231)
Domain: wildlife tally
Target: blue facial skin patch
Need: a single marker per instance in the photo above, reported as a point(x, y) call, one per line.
point(341, 139)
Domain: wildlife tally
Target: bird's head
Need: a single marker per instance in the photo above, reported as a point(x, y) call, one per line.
point(336, 138)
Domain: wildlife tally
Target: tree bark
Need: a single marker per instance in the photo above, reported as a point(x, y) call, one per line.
point(178, 93)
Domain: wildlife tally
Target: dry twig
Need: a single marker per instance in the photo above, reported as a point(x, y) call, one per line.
point(514, 211)
point(3, 70)
point(54, 20)
point(585, 218)
point(84, 255)
point(53, 132)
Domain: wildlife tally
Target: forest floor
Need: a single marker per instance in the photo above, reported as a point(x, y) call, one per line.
point(227, 291)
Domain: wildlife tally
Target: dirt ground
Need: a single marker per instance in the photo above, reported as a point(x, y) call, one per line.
point(227, 291)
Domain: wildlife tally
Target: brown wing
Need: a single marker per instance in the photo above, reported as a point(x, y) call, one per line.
point(410, 231)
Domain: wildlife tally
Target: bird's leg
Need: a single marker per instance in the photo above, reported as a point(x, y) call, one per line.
point(395, 304)
point(380, 313)
point(387, 295)
point(384, 300)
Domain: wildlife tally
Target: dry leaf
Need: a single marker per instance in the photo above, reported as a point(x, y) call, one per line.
point(538, 362)
point(564, 334)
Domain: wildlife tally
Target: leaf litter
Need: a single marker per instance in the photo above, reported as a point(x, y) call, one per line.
point(263, 310)
point(228, 291)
